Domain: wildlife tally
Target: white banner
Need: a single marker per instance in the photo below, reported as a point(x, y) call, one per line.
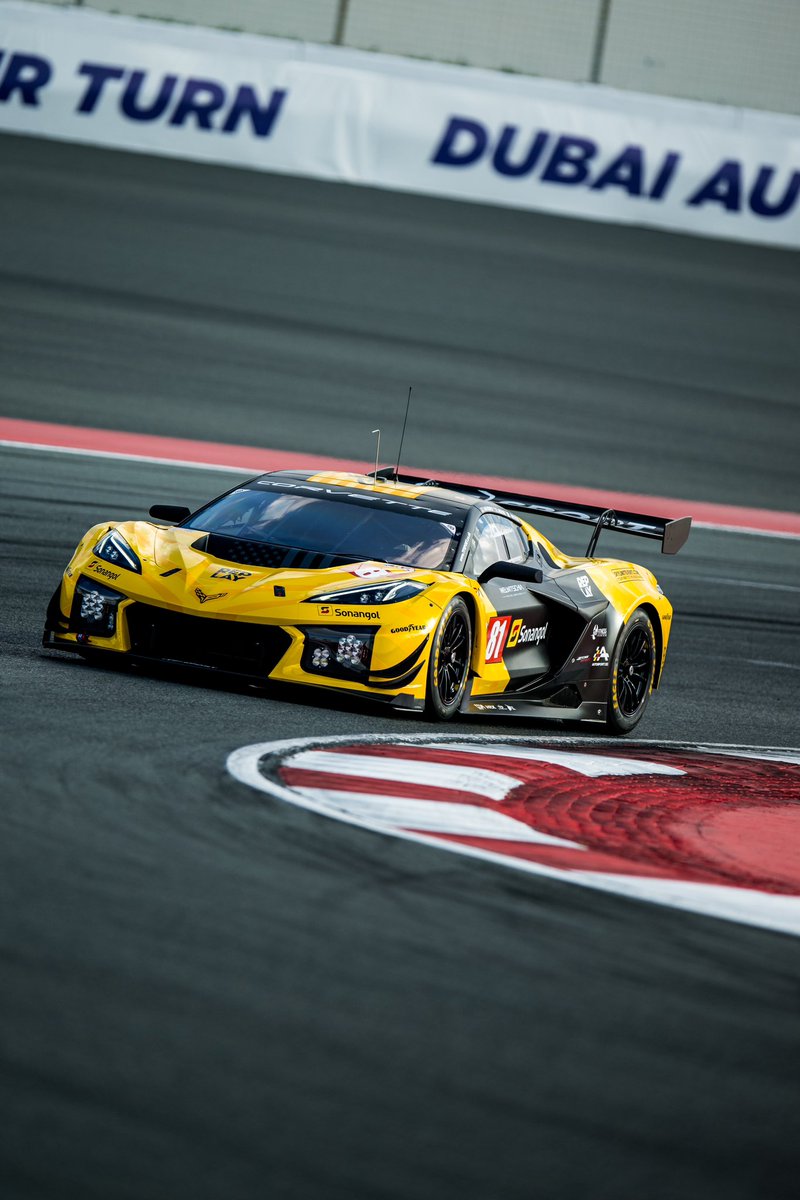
point(329, 113)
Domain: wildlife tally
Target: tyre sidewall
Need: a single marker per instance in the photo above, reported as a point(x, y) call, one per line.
point(433, 701)
point(616, 720)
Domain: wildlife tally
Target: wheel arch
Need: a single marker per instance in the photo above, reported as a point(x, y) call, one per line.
point(472, 609)
point(655, 620)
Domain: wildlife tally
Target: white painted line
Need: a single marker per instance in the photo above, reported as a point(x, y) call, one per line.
point(679, 577)
point(435, 816)
point(591, 765)
point(143, 458)
point(783, 756)
point(773, 533)
point(244, 470)
point(765, 662)
point(492, 784)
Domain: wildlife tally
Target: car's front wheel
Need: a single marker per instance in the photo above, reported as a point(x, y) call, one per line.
point(448, 667)
point(633, 669)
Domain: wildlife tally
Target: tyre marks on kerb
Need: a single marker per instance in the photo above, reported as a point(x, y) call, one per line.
point(708, 828)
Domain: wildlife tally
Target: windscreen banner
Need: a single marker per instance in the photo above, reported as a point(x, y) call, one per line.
point(329, 113)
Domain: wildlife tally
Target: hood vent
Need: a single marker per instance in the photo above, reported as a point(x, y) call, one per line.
point(264, 554)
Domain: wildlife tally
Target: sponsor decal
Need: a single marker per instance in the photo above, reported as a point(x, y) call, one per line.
point(410, 629)
point(717, 834)
point(375, 571)
point(600, 657)
point(204, 599)
point(626, 573)
point(511, 589)
point(324, 610)
point(95, 566)
point(495, 707)
point(599, 631)
point(496, 635)
point(522, 634)
point(581, 658)
point(231, 574)
point(69, 572)
point(585, 584)
point(363, 614)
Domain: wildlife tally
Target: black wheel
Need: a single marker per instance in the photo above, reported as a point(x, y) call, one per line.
point(448, 667)
point(633, 669)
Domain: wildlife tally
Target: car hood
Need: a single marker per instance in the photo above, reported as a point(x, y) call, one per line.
point(178, 574)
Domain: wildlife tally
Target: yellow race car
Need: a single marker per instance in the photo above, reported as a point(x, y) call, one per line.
point(431, 596)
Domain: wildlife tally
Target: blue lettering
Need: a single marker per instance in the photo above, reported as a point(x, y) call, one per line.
point(201, 98)
point(26, 74)
point(568, 164)
point(500, 156)
point(245, 103)
point(448, 156)
point(626, 171)
point(758, 200)
point(131, 106)
point(665, 176)
point(99, 76)
point(724, 187)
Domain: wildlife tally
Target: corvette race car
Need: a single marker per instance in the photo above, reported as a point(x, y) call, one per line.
point(430, 596)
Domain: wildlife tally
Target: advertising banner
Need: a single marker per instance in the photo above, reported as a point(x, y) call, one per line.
point(328, 113)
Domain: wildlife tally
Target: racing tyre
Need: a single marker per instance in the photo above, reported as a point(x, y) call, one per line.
point(448, 667)
point(633, 668)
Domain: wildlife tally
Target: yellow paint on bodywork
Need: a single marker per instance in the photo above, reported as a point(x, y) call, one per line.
point(179, 577)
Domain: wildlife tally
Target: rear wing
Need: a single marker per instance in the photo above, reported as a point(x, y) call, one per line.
point(672, 534)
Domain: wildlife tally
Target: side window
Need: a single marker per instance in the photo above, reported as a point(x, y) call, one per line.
point(518, 546)
point(496, 539)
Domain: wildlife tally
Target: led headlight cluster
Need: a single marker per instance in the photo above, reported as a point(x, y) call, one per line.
point(350, 651)
point(113, 548)
point(94, 608)
point(376, 593)
point(338, 653)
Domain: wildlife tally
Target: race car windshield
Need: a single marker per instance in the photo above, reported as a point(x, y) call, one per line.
point(347, 527)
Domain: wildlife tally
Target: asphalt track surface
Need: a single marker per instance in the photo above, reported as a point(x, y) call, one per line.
point(206, 993)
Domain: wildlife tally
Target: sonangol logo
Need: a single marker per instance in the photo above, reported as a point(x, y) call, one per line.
point(711, 829)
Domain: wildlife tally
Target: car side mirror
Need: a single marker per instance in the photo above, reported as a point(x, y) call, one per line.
point(507, 570)
point(174, 513)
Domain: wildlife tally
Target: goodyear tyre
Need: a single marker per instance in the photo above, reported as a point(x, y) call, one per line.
point(633, 669)
point(448, 666)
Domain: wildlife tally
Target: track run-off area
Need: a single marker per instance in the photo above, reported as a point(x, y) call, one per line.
point(208, 991)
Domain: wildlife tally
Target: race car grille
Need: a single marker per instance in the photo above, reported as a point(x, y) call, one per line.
point(263, 554)
point(236, 646)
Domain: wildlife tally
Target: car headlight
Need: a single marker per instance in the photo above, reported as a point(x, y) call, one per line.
point(113, 548)
point(375, 593)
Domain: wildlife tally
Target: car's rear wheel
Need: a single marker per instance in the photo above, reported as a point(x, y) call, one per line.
point(633, 669)
point(448, 667)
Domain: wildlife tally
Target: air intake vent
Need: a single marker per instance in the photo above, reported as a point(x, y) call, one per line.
point(264, 554)
point(240, 647)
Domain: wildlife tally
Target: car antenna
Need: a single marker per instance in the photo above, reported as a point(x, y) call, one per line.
point(377, 457)
point(403, 434)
